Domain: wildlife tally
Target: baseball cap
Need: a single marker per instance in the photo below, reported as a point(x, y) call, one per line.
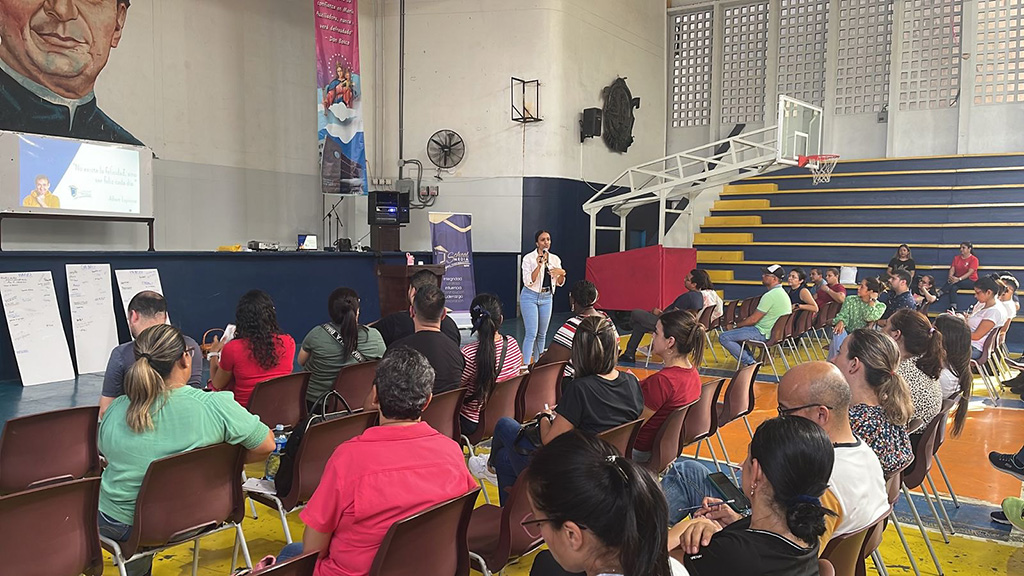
point(775, 270)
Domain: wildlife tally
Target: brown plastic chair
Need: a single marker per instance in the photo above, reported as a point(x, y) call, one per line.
point(782, 330)
point(623, 436)
point(299, 566)
point(496, 535)
point(183, 498)
point(825, 568)
point(501, 404)
point(49, 447)
point(739, 398)
point(668, 440)
point(318, 444)
point(702, 420)
point(704, 318)
point(52, 530)
point(802, 324)
point(542, 386)
point(554, 353)
point(355, 381)
point(845, 552)
point(281, 400)
point(443, 413)
point(984, 365)
point(728, 317)
point(940, 437)
point(433, 542)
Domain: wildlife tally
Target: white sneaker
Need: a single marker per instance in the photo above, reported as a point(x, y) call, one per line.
point(478, 467)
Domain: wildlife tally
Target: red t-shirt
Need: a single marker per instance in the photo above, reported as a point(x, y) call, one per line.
point(961, 265)
point(664, 391)
point(376, 479)
point(821, 298)
point(246, 372)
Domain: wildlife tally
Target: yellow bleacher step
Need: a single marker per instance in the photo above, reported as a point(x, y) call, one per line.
point(720, 275)
point(748, 204)
point(713, 257)
point(749, 188)
point(723, 238)
point(712, 221)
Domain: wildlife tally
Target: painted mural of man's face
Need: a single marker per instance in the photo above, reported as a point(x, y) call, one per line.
point(60, 44)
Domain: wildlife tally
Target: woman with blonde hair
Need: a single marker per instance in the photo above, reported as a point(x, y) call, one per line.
point(880, 404)
point(159, 416)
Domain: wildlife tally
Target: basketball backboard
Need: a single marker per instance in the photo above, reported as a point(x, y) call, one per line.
point(799, 130)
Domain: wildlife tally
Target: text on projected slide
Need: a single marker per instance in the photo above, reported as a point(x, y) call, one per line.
point(70, 175)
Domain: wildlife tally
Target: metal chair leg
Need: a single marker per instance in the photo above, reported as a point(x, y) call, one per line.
point(746, 422)
point(714, 457)
point(945, 478)
point(903, 539)
point(725, 454)
point(245, 547)
point(284, 524)
point(876, 557)
point(782, 353)
point(938, 500)
point(935, 513)
point(195, 558)
point(924, 533)
point(707, 337)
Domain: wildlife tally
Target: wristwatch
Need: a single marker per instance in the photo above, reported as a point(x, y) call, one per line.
point(212, 355)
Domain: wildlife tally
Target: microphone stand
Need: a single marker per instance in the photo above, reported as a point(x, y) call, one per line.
point(330, 218)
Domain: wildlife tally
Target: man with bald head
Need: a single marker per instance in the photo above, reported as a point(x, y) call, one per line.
point(818, 392)
point(147, 308)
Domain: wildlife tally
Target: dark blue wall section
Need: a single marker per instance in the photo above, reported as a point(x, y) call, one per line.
point(555, 204)
point(203, 288)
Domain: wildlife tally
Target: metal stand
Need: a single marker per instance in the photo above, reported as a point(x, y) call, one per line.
point(330, 217)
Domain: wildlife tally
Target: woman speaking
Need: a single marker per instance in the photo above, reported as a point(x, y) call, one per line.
point(542, 273)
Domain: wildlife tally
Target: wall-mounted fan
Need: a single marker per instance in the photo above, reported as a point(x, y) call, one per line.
point(445, 148)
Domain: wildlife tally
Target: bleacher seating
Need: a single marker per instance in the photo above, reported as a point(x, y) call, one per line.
point(863, 214)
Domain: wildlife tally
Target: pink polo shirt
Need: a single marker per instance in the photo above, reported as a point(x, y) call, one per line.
point(384, 475)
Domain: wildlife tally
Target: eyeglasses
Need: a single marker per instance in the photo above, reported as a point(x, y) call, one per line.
point(191, 353)
point(788, 411)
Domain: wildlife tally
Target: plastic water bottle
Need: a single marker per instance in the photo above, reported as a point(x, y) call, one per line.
point(274, 462)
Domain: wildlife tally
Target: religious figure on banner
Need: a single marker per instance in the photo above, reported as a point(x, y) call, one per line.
point(51, 53)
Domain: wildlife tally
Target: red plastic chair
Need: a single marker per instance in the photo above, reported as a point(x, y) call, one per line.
point(49, 447)
point(701, 420)
point(739, 398)
point(355, 381)
point(623, 436)
point(542, 386)
point(442, 414)
point(501, 404)
point(281, 400)
point(496, 535)
point(299, 566)
point(782, 330)
point(668, 440)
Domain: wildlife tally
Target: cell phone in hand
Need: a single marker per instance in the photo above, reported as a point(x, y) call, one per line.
point(728, 491)
point(229, 333)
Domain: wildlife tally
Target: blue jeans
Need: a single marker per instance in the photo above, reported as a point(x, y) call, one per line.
point(506, 461)
point(536, 309)
point(290, 551)
point(951, 289)
point(975, 353)
point(837, 341)
point(120, 532)
point(731, 341)
point(686, 485)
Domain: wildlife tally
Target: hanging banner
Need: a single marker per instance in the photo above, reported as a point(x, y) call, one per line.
point(340, 115)
point(450, 235)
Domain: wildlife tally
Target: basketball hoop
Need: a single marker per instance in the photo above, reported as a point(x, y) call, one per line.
point(821, 166)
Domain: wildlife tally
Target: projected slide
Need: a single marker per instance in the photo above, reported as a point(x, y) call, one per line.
point(69, 175)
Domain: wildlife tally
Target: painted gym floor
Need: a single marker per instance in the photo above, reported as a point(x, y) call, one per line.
point(978, 547)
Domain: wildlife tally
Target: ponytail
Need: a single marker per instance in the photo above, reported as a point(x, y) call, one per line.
point(689, 334)
point(343, 307)
point(157, 349)
point(920, 339)
point(582, 479)
point(956, 339)
point(880, 358)
point(485, 313)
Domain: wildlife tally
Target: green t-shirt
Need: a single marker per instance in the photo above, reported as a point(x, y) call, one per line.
point(189, 418)
point(774, 303)
point(326, 356)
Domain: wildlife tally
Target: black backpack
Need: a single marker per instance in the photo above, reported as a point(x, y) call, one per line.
point(318, 413)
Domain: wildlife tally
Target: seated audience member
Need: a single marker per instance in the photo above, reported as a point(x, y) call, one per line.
point(385, 474)
point(956, 371)
point(491, 359)
point(679, 340)
point(1007, 292)
point(259, 351)
point(827, 289)
point(145, 309)
point(582, 299)
point(398, 325)
point(880, 401)
point(921, 360)
point(158, 416)
point(856, 491)
point(340, 342)
point(598, 512)
point(900, 296)
point(799, 296)
point(963, 273)
point(925, 292)
point(441, 351)
point(699, 295)
point(856, 313)
point(987, 314)
point(786, 473)
point(599, 398)
point(901, 261)
point(774, 303)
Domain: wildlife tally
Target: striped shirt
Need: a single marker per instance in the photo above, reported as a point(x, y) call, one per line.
point(509, 369)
